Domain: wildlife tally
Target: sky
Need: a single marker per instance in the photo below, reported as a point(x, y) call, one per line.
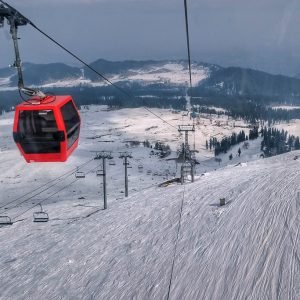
point(260, 34)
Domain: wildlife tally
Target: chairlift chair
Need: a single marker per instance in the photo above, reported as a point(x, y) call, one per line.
point(112, 163)
point(40, 216)
point(99, 173)
point(80, 175)
point(5, 220)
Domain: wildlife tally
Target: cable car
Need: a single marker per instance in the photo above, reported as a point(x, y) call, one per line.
point(47, 130)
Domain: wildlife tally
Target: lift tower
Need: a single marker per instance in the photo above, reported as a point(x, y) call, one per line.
point(103, 155)
point(187, 167)
point(125, 156)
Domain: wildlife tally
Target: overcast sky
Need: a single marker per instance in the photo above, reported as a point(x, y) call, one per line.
point(261, 34)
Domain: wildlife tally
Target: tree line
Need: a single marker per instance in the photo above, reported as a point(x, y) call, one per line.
point(223, 145)
point(277, 141)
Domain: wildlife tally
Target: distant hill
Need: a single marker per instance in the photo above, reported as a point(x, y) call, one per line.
point(153, 77)
point(248, 82)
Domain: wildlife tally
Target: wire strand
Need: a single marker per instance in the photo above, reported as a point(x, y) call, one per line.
point(83, 62)
point(188, 40)
point(55, 193)
point(73, 171)
point(176, 243)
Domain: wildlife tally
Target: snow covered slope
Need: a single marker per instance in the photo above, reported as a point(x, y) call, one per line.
point(248, 249)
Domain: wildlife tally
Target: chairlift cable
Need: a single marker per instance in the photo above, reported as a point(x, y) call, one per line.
point(188, 40)
point(55, 193)
point(73, 171)
point(176, 243)
point(31, 197)
point(45, 199)
point(183, 197)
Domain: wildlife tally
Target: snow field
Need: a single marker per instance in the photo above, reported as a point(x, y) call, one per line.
point(245, 249)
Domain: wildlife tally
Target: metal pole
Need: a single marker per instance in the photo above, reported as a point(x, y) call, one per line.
point(103, 156)
point(126, 178)
point(17, 64)
point(126, 155)
point(186, 139)
point(104, 183)
point(193, 171)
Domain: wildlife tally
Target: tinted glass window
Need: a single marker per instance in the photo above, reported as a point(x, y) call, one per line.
point(72, 122)
point(37, 129)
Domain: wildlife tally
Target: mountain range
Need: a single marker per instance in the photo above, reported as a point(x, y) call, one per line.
point(208, 79)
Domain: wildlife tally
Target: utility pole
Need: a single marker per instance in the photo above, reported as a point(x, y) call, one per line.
point(103, 155)
point(125, 156)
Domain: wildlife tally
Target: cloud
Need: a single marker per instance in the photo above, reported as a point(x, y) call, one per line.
point(289, 13)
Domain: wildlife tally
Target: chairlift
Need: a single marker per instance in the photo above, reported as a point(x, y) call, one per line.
point(79, 174)
point(5, 220)
point(40, 216)
point(112, 163)
point(99, 173)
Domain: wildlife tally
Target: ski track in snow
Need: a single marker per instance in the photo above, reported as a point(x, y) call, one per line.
point(247, 249)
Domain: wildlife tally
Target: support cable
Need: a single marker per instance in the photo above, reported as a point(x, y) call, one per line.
point(176, 243)
point(188, 40)
point(83, 62)
point(55, 193)
point(58, 179)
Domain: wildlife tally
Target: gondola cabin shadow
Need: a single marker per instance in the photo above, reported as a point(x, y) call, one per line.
point(47, 130)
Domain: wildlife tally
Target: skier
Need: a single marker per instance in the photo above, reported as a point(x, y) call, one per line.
point(239, 152)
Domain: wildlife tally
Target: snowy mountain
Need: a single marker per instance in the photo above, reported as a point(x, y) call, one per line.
point(235, 81)
point(141, 72)
point(208, 79)
point(140, 247)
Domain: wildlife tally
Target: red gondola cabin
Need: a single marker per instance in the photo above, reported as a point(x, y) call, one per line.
point(47, 130)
